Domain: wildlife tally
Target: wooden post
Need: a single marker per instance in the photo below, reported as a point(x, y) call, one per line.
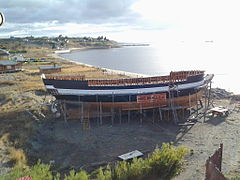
point(65, 111)
point(168, 115)
point(205, 104)
point(160, 114)
point(79, 108)
point(112, 109)
point(82, 115)
point(209, 93)
point(221, 152)
point(129, 116)
point(153, 113)
point(201, 104)
point(100, 113)
point(141, 114)
point(190, 104)
point(120, 116)
point(112, 115)
point(183, 113)
point(89, 120)
point(129, 113)
point(197, 104)
point(87, 123)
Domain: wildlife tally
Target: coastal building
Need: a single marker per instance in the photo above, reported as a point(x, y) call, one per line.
point(4, 55)
point(9, 66)
point(50, 69)
point(18, 58)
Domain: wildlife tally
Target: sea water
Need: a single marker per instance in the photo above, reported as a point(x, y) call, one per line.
point(219, 58)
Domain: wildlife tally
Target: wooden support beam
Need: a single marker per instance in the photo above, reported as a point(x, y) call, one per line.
point(201, 104)
point(160, 114)
point(100, 104)
point(205, 105)
point(129, 112)
point(153, 115)
point(186, 124)
point(197, 105)
point(168, 115)
point(120, 116)
point(82, 115)
point(112, 115)
point(65, 111)
point(129, 116)
point(190, 103)
point(98, 111)
point(112, 109)
point(79, 108)
point(88, 120)
point(183, 113)
point(209, 93)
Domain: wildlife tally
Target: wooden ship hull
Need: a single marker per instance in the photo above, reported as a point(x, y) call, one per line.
point(94, 97)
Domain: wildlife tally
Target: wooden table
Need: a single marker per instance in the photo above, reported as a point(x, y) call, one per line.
point(219, 111)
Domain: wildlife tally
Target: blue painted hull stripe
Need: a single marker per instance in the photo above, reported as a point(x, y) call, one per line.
point(137, 91)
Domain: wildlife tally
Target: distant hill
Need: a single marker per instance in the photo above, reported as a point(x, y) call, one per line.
point(24, 44)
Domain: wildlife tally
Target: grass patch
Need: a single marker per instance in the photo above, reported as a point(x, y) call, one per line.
point(4, 139)
point(6, 83)
point(19, 157)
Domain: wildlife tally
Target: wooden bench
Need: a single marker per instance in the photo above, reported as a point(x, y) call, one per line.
point(131, 155)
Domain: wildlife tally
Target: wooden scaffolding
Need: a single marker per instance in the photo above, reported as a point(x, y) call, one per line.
point(173, 112)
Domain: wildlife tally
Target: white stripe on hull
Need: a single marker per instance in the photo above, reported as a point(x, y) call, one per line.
point(123, 91)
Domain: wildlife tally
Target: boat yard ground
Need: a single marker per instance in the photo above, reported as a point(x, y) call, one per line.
point(70, 146)
point(27, 124)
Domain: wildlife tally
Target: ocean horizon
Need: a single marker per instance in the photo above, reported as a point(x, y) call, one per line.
point(162, 58)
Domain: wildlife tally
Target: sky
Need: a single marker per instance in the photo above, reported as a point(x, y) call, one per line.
point(124, 20)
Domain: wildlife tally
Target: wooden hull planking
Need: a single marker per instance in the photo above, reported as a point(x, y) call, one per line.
point(93, 109)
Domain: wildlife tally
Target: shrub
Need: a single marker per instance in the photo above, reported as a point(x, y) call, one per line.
point(165, 162)
point(39, 171)
point(121, 170)
point(104, 174)
point(138, 168)
point(14, 174)
point(82, 175)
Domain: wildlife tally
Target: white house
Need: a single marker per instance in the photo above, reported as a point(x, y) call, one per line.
point(18, 58)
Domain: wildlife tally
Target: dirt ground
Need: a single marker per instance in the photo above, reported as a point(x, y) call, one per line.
point(69, 146)
point(204, 139)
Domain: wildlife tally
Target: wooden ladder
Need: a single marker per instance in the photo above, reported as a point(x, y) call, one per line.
point(86, 123)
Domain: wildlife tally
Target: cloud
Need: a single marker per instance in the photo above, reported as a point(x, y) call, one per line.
point(84, 11)
point(54, 28)
point(70, 17)
point(169, 19)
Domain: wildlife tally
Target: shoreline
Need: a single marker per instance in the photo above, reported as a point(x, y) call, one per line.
point(105, 70)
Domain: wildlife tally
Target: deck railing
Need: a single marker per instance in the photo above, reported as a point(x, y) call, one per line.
point(178, 76)
point(62, 77)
